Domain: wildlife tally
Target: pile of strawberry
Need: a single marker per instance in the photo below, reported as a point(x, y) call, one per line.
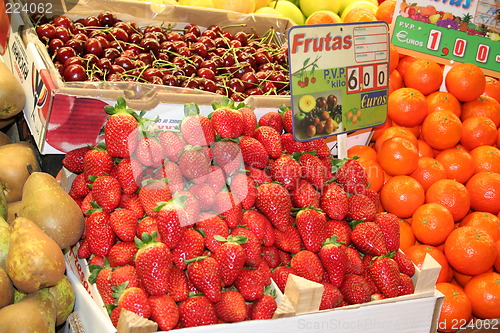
point(187, 227)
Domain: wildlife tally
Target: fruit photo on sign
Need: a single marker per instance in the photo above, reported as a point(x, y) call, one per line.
point(317, 115)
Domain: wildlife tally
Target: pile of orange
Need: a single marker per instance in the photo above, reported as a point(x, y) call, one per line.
point(436, 163)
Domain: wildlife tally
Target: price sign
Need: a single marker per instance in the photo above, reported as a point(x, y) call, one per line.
point(339, 77)
point(450, 31)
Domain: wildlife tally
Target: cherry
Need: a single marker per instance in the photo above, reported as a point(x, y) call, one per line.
point(77, 28)
point(104, 64)
point(115, 77)
point(116, 69)
point(217, 29)
point(150, 73)
point(249, 80)
point(74, 61)
point(168, 46)
point(147, 58)
point(170, 80)
point(118, 34)
point(111, 54)
point(124, 62)
point(268, 87)
point(200, 49)
point(125, 26)
point(197, 60)
point(189, 70)
point(156, 80)
point(192, 28)
point(236, 85)
point(150, 44)
point(118, 44)
point(254, 91)
point(179, 61)
point(238, 97)
point(242, 37)
point(164, 57)
point(209, 33)
point(262, 56)
point(209, 43)
point(90, 59)
point(153, 28)
point(135, 38)
point(74, 73)
point(209, 85)
point(185, 52)
point(46, 31)
point(179, 43)
point(107, 18)
point(221, 42)
point(92, 21)
point(55, 44)
point(104, 42)
point(206, 73)
point(92, 45)
point(189, 37)
point(173, 36)
point(190, 83)
point(64, 53)
point(209, 64)
point(63, 21)
point(62, 33)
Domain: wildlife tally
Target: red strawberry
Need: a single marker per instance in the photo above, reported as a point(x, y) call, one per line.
point(124, 223)
point(148, 224)
point(129, 174)
point(252, 245)
point(164, 311)
point(178, 284)
point(354, 262)
point(264, 308)
point(86, 205)
point(169, 225)
point(311, 223)
point(273, 200)
point(328, 163)
point(229, 208)
point(334, 259)
point(227, 122)
point(333, 201)
point(341, 229)
point(152, 192)
point(385, 273)
point(120, 125)
point(106, 191)
point(360, 207)
point(290, 145)
point(287, 115)
point(260, 225)
point(195, 128)
point(351, 176)
point(313, 170)
point(271, 256)
point(308, 265)
point(132, 203)
point(231, 257)
point(319, 146)
point(172, 143)
point(259, 176)
point(211, 225)
point(368, 238)
point(374, 196)
point(98, 233)
point(103, 283)
point(97, 162)
point(191, 246)
point(244, 189)
point(227, 155)
point(331, 297)
point(231, 307)
point(250, 283)
point(126, 273)
point(272, 119)
point(83, 249)
point(97, 260)
point(253, 152)
point(205, 195)
point(405, 286)
point(74, 159)
point(185, 204)
point(355, 289)
point(249, 121)
point(132, 299)
point(197, 311)
point(172, 172)
point(305, 195)
point(288, 240)
point(280, 276)
point(216, 179)
point(405, 265)
point(149, 151)
point(270, 138)
point(205, 274)
point(287, 171)
point(194, 165)
point(80, 186)
point(389, 223)
point(122, 253)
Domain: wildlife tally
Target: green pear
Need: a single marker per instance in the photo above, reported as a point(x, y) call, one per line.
point(6, 289)
point(34, 313)
point(5, 230)
point(3, 203)
point(64, 296)
point(34, 261)
point(46, 203)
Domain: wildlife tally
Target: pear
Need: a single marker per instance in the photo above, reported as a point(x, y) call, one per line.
point(34, 261)
point(64, 296)
point(46, 203)
point(5, 230)
point(13, 211)
point(34, 313)
point(6, 289)
point(3, 203)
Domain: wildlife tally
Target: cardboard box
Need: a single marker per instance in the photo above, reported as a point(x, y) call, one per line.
point(62, 116)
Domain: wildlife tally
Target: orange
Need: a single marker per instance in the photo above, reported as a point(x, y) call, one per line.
point(484, 191)
point(451, 194)
point(456, 308)
point(378, 130)
point(406, 236)
point(498, 138)
point(484, 220)
point(404, 62)
point(395, 81)
point(465, 81)
point(470, 250)
point(417, 254)
point(478, 131)
point(431, 223)
point(428, 171)
point(486, 158)
point(392, 132)
point(323, 17)
point(393, 52)
point(398, 156)
point(442, 129)
point(385, 12)
point(425, 75)
point(415, 129)
point(424, 150)
point(402, 195)
point(482, 106)
point(458, 163)
point(362, 151)
point(359, 14)
point(443, 100)
point(460, 278)
point(492, 88)
point(374, 173)
point(407, 107)
point(497, 260)
point(484, 293)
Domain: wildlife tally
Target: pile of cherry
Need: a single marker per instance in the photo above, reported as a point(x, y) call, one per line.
point(105, 48)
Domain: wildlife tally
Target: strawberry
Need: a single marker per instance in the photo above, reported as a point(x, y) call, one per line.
point(102, 279)
point(205, 195)
point(355, 289)
point(334, 259)
point(152, 192)
point(405, 286)
point(389, 223)
point(229, 208)
point(191, 246)
point(290, 145)
point(172, 143)
point(308, 265)
point(98, 233)
point(288, 240)
point(249, 121)
point(97, 162)
point(231, 257)
point(132, 203)
point(351, 176)
point(227, 155)
point(244, 189)
point(195, 128)
point(264, 308)
point(385, 273)
point(272, 119)
point(164, 311)
point(210, 225)
point(231, 307)
point(354, 262)
point(331, 297)
point(270, 138)
point(149, 151)
point(253, 152)
point(122, 253)
point(83, 249)
point(374, 196)
point(97, 260)
point(227, 121)
point(360, 207)
point(132, 299)
point(280, 276)
point(265, 272)
point(119, 127)
point(148, 225)
point(106, 191)
point(216, 179)
point(80, 186)
point(153, 262)
point(128, 175)
point(328, 163)
point(260, 225)
point(194, 165)
point(172, 172)
point(250, 283)
point(405, 265)
point(178, 284)
point(74, 159)
point(124, 224)
point(126, 273)
point(311, 223)
point(251, 246)
point(185, 204)
point(287, 115)
point(197, 311)
point(114, 315)
point(287, 171)
point(313, 170)
point(205, 274)
point(333, 201)
point(319, 146)
point(305, 195)
point(341, 229)
point(273, 200)
point(169, 226)
point(271, 256)
point(368, 238)
point(86, 205)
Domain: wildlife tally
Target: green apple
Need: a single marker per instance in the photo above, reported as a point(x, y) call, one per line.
point(288, 9)
point(359, 3)
point(307, 103)
point(310, 6)
point(268, 11)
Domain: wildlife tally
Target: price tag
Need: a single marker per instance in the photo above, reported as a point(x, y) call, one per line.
point(450, 31)
point(339, 77)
